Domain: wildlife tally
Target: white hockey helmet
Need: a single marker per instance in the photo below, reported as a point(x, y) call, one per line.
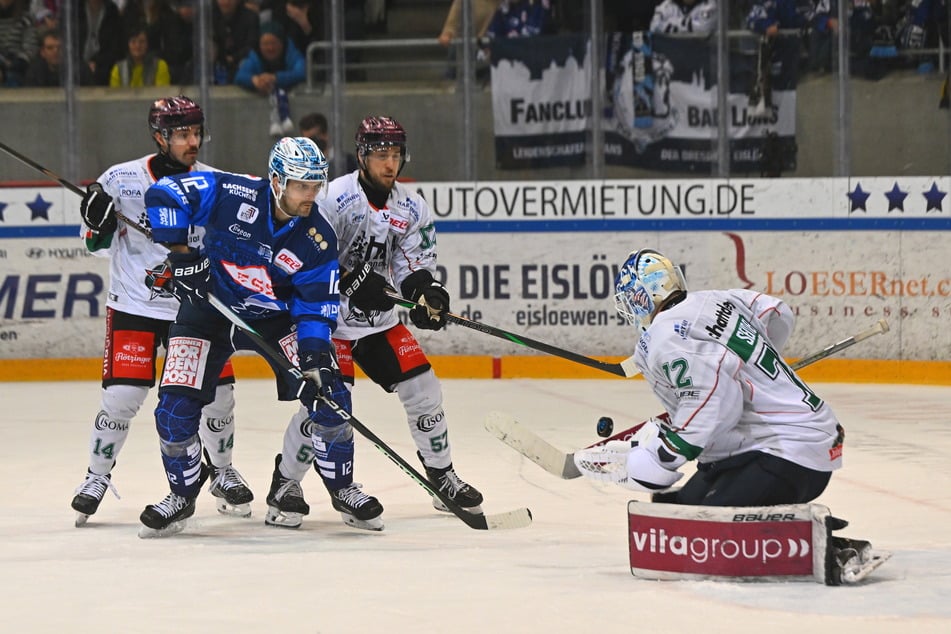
point(646, 280)
point(296, 158)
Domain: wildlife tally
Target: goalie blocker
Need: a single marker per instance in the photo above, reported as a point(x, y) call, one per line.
point(769, 543)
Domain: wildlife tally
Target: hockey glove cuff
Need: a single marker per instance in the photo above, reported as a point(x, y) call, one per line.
point(98, 210)
point(191, 276)
point(322, 377)
point(366, 289)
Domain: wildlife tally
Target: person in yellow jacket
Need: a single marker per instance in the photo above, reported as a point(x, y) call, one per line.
point(140, 67)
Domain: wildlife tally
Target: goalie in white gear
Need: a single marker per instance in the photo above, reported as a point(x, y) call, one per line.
point(140, 309)
point(759, 434)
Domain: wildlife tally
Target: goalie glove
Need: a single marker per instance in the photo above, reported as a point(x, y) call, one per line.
point(366, 289)
point(432, 297)
point(322, 377)
point(98, 210)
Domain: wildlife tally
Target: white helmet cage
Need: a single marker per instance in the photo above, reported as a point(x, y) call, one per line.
point(296, 158)
point(645, 281)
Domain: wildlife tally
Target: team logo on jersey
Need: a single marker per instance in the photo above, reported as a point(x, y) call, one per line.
point(241, 191)
point(239, 231)
point(159, 281)
point(287, 262)
point(254, 278)
point(318, 239)
point(288, 345)
point(682, 329)
point(399, 224)
point(247, 213)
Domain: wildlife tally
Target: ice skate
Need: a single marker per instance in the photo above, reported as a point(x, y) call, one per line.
point(232, 494)
point(89, 494)
point(285, 501)
point(167, 517)
point(453, 487)
point(358, 509)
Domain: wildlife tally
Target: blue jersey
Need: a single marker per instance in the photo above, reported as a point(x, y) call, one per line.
point(256, 269)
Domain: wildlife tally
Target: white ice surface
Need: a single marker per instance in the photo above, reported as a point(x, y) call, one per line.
point(428, 572)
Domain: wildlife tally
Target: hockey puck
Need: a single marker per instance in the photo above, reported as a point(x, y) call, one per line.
point(605, 426)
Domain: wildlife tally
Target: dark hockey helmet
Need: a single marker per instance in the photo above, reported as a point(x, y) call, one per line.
point(169, 113)
point(379, 132)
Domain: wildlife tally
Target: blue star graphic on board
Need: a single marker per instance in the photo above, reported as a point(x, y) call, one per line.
point(896, 198)
point(934, 196)
point(857, 197)
point(39, 208)
point(2, 207)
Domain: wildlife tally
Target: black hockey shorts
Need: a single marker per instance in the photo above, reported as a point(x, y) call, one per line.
point(753, 479)
point(388, 358)
point(201, 342)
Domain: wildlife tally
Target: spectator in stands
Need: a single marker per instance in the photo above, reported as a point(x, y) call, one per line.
point(767, 17)
point(170, 36)
point(18, 43)
point(482, 13)
point(923, 25)
point(308, 21)
point(825, 29)
point(47, 67)
point(314, 126)
point(46, 14)
point(100, 38)
point(140, 67)
point(685, 16)
point(271, 69)
point(236, 30)
point(521, 18)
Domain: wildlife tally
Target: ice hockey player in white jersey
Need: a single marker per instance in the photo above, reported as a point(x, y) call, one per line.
point(760, 435)
point(685, 16)
point(386, 240)
point(140, 309)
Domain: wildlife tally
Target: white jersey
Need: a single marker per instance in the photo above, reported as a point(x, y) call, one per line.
point(671, 16)
point(714, 361)
point(396, 240)
point(134, 255)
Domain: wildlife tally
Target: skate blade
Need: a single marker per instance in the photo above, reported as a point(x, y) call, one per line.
point(81, 519)
point(439, 506)
point(172, 529)
point(234, 510)
point(860, 572)
point(375, 524)
point(280, 519)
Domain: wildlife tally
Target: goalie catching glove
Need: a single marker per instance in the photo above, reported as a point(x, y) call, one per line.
point(366, 289)
point(98, 210)
point(647, 462)
point(432, 299)
point(191, 276)
point(322, 377)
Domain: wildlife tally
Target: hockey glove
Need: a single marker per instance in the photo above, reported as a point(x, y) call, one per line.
point(322, 377)
point(366, 289)
point(191, 276)
point(98, 210)
point(432, 297)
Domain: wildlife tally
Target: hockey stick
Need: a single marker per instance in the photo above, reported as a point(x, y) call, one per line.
point(511, 519)
point(561, 464)
point(68, 185)
point(625, 368)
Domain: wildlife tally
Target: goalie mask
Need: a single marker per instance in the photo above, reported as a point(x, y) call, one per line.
point(296, 158)
point(646, 280)
point(172, 113)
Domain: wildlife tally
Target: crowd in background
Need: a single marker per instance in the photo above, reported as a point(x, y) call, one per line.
point(261, 44)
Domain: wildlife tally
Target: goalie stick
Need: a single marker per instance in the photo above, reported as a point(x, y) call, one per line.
point(76, 189)
point(511, 519)
point(625, 368)
point(562, 464)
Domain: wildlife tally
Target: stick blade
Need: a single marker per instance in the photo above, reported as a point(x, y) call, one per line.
point(519, 518)
point(553, 460)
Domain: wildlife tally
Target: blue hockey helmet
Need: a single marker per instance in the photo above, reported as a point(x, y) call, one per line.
point(296, 158)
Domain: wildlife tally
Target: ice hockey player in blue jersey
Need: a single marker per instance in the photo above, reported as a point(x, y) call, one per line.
point(274, 263)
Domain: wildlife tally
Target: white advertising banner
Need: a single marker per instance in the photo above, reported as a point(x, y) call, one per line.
point(539, 259)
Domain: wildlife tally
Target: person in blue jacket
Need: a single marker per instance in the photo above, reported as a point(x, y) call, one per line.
point(271, 70)
point(274, 264)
